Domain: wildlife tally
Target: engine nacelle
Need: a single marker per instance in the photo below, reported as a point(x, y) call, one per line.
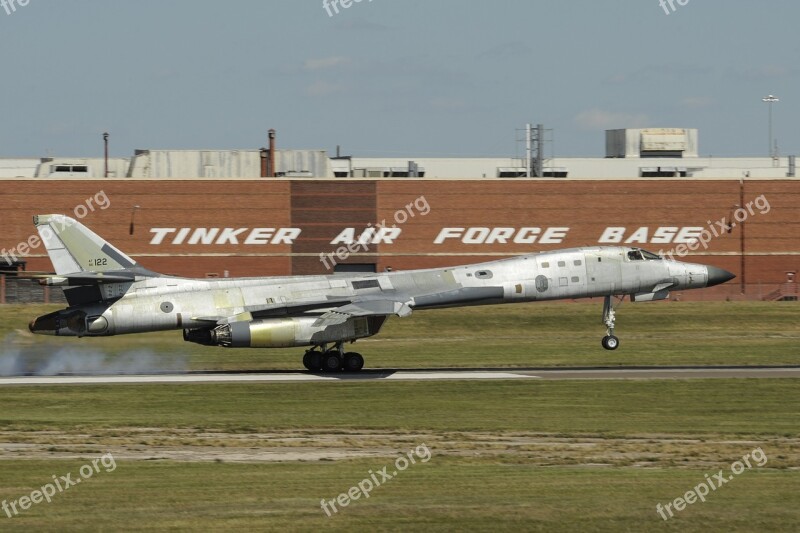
point(71, 323)
point(650, 296)
point(284, 332)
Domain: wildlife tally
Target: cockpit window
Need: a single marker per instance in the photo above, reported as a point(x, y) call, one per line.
point(650, 256)
point(641, 255)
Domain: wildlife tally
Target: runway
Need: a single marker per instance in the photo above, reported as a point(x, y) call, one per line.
point(281, 376)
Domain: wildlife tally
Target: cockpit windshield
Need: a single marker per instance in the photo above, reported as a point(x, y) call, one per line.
point(642, 255)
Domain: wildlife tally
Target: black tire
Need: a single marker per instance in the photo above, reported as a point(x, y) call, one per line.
point(610, 342)
point(353, 362)
point(312, 360)
point(331, 362)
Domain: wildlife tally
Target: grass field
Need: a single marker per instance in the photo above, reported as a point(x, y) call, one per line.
point(447, 495)
point(504, 455)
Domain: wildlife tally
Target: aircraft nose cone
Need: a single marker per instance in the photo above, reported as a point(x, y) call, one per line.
point(717, 276)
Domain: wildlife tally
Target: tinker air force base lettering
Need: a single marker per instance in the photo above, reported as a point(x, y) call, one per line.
point(611, 235)
point(388, 235)
point(221, 236)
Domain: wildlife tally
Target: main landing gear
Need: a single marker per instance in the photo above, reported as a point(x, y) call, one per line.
point(610, 342)
point(321, 359)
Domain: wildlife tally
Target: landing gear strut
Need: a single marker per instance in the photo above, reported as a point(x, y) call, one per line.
point(322, 359)
point(610, 342)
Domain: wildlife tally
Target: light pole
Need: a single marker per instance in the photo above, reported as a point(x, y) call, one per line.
point(770, 99)
point(105, 144)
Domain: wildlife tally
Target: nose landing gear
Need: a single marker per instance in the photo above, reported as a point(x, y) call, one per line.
point(610, 342)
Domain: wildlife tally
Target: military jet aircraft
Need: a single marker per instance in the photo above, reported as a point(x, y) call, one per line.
point(111, 294)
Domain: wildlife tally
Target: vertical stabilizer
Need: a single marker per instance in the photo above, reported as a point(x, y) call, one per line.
point(73, 248)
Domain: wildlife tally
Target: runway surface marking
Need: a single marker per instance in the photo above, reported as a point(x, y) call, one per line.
point(418, 375)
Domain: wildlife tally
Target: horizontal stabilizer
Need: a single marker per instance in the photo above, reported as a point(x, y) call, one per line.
point(85, 278)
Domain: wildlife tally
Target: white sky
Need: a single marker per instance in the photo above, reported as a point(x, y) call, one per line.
point(393, 77)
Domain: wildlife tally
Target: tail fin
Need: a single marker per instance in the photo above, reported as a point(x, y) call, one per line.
point(74, 249)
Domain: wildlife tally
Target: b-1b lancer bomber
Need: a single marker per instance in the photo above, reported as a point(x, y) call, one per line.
point(111, 294)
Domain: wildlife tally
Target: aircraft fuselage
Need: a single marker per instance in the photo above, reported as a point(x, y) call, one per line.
point(275, 305)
